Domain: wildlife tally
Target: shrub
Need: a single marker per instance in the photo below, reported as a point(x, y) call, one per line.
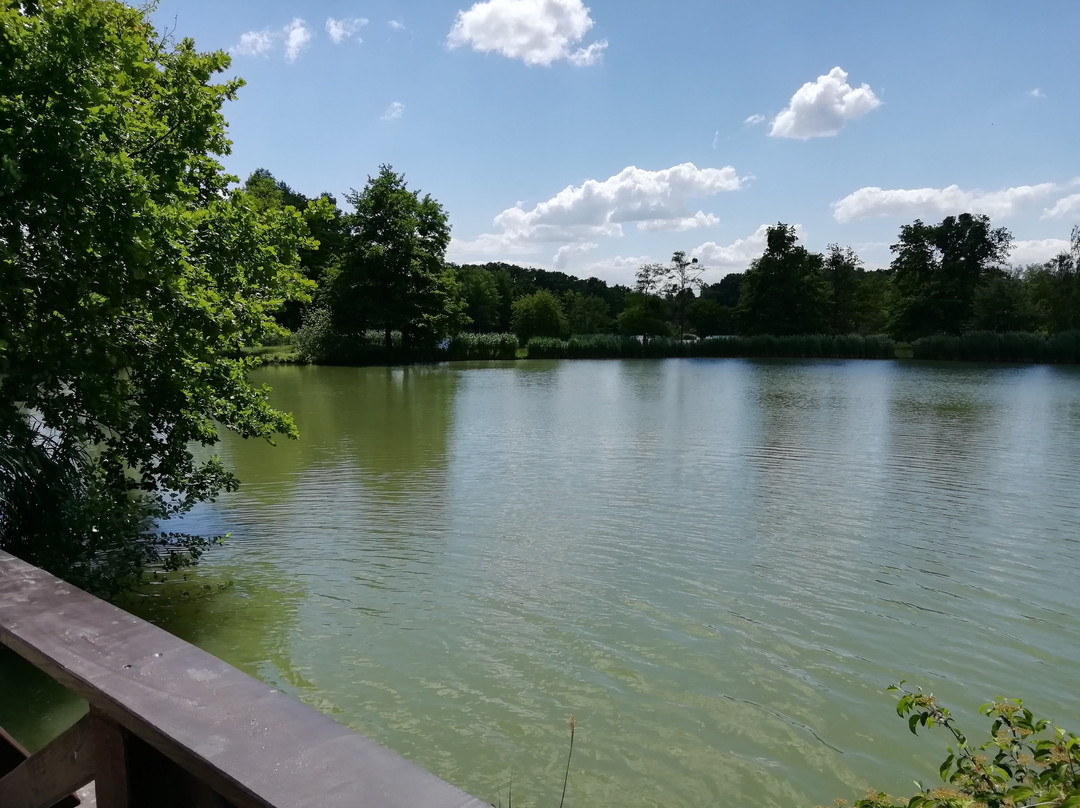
point(1026, 762)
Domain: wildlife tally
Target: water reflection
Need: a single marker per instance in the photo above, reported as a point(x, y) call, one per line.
point(716, 565)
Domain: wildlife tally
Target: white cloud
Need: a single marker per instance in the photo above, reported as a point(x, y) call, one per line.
point(735, 257)
point(538, 32)
point(754, 120)
point(652, 200)
point(821, 108)
point(1036, 93)
point(393, 112)
point(1037, 252)
point(565, 253)
point(340, 30)
point(253, 43)
point(397, 25)
point(297, 37)
point(1066, 206)
point(681, 224)
point(925, 202)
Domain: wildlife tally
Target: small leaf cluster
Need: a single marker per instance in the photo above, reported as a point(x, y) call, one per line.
point(1026, 762)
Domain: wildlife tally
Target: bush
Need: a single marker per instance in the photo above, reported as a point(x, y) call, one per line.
point(990, 346)
point(482, 346)
point(1026, 762)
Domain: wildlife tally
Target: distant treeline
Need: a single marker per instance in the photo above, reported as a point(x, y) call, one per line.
point(381, 290)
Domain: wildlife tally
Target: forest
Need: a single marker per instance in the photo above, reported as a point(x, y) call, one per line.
point(383, 291)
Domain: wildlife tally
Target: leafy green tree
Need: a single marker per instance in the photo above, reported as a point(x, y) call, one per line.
point(538, 315)
point(325, 223)
point(937, 269)
point(1001, 304)
point(708, 318)
point(675, 282)
point(1054, 290)
point(393, 276)
point(783, 291)
point(482, 298)
point(586, 314)
point(842, 268)
point(130, 278)
point(644, 315)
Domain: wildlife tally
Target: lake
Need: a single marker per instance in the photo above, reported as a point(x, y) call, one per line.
point(716, 565)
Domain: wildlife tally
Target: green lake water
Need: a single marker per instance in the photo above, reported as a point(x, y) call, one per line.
point(717, 566)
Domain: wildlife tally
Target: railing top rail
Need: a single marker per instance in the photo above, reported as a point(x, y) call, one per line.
point(249, 742)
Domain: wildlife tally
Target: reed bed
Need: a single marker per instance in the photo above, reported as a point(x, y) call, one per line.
point(990, 346)
point(609, 346)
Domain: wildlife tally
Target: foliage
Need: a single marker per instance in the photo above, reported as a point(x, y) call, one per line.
point(392, 276)
point(675, 283)
point(937, 270)
point(609, 346)
point(990, 346)
point(483, 346)
point(325, 224)
point(1054, 290)
point(482, 298)
point(783, 292)
point(130, 279)
point(538, 315)
point(645, 315)
point(1026, 762)
point(586, 314)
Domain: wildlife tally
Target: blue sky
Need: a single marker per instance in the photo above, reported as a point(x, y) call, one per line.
point(592, 137)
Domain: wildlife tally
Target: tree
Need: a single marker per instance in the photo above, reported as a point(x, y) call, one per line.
point(393, 276)
point(1055, 289)
point(783, 292)
point(130, 278)
point(586, 314)
point(842, 268)
point(325, 223)
point(937, 269)
point(675, 282)
point(482, 298)
point(644, 315)
point(538, 315)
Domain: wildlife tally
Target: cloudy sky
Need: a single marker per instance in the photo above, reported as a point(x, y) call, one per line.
point(595, 136)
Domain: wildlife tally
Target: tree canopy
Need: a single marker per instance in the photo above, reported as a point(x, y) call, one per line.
point(393, 275)
point(130, 278)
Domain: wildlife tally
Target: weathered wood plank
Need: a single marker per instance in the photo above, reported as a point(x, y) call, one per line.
point(53, 772)
point(250, 743)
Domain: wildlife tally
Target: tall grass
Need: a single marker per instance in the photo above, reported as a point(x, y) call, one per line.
point(482, 346)
point(989, 346)
point(609, 346)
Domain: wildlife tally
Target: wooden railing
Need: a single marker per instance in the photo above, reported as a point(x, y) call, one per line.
point(171, 725)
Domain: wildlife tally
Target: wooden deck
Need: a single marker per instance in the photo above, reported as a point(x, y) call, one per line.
point(171, 725)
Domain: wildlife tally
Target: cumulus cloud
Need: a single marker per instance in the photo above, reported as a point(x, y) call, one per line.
point(397, 25)
point(539, 32)
point(1066, 206)
point(567, 252)
point(754, 120)
point(1036, 93)
point(340, 30)
point(1038, 251)
point(297, 37)
point(869, 202)
point(253, 43)
point(651, 200)
point(393, 112)
point(821, 108)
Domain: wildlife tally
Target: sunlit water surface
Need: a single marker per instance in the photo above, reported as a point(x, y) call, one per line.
point(716, 566)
